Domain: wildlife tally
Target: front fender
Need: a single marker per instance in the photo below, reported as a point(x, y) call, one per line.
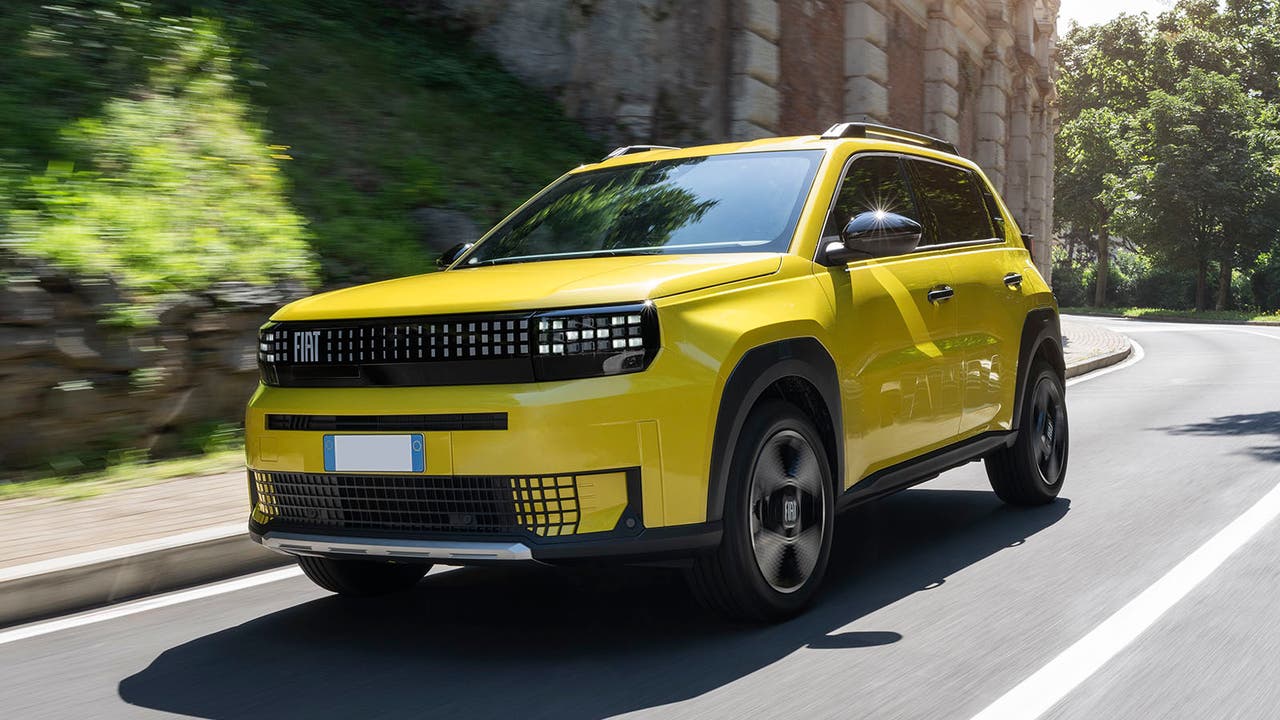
point(754, 373)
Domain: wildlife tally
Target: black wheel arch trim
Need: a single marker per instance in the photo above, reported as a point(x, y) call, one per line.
point(757, 370)
point(1041, 327)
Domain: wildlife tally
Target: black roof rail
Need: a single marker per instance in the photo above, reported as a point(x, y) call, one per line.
point(631, 149)
point(863, 129)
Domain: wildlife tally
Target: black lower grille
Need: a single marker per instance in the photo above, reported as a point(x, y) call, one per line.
point(544, 505)
point(387, 423)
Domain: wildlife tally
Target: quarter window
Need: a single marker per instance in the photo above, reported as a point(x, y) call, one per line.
point(951, 204)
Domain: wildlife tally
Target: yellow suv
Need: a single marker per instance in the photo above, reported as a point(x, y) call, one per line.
point(688, 355)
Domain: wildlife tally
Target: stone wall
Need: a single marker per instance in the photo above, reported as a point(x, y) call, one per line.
point(75, 384)
point(627, 70)
point(976, 72)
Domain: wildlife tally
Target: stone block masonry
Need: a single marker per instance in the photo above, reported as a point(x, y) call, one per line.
point(976, 72)
point(75, 384)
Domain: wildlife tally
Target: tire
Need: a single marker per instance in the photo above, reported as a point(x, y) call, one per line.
point(361, 578)
point(778, 518)
point(1032, 470)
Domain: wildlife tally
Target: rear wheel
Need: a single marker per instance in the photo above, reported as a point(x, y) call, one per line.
point(361, 578)
point(1031, 471)
point(777, 520)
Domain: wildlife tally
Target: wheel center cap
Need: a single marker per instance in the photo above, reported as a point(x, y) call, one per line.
point(790, 511)
point(1048, 430)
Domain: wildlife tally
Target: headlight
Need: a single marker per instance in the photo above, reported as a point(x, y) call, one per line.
point(590, 342)
point(272, 348)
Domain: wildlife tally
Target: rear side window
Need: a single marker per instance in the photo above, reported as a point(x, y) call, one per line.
point(952, 206)
point(873, 183)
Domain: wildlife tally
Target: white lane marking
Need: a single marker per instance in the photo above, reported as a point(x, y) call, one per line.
point(1256, 332)
point(1134, 357)
point(22, 632)
point(1035, 695)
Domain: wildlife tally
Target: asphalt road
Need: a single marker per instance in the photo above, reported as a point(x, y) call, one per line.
point(939, 600)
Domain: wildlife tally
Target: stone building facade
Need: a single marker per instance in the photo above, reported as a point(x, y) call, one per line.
point(976, 72)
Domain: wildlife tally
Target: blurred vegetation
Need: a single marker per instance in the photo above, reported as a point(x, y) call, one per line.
point(123, 471)
point(175, 144)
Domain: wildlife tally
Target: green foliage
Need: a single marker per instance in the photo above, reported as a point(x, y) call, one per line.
point(170, 187)
point(1169, 139)
point(1105, 66)
point(1070, 285)
point(1265, 283)
point(177, 143)
point(1134, 280)
point(1088, 146)
point(1204, 182)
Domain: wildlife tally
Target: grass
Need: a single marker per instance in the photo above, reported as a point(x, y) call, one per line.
point(1228, 316)
point(124, 475)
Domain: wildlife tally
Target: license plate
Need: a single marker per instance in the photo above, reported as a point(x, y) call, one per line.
point(374, 453)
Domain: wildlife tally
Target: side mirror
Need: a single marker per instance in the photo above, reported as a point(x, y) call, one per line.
point(1030, 241)
point(448, 257)
point(874, 234)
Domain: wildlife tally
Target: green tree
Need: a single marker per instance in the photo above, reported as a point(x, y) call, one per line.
point(1203, 186)
point(1167, 137)
point(1105, 77)
point(1105, 66)
point(1088, 146)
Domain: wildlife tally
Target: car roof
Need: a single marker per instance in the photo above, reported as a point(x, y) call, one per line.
point(777, 144)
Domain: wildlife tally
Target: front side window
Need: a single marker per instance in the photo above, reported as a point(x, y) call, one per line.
point(740, 202)
point(872, 184)
point(951, 204)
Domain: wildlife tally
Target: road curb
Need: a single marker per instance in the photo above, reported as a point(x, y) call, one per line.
point(1100, 362)
point(86, 580)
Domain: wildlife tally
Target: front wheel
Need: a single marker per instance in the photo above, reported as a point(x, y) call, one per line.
point(1031, 471)
point(361, 578)
point(778, 516)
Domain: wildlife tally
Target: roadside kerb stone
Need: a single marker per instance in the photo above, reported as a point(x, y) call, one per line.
point(78, 582)
point(1088, 346)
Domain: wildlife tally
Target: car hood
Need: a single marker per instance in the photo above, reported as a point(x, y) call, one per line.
point(534, 286)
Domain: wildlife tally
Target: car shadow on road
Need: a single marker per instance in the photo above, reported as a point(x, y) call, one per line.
point(531, 642)
point(1263, 424)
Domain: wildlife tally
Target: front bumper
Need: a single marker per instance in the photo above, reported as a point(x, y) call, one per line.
point(656, 425)
point(611, 467)
point(650, 545)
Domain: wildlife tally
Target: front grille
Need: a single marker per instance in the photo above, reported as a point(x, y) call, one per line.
point(543, 505)
point(398, 341)
point(398, 352)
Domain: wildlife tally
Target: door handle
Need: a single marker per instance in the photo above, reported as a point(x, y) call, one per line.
point(940, 293)
point(1013, 280)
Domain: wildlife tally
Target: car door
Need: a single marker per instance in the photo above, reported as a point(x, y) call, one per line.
point(988, 301)
point(898, 368)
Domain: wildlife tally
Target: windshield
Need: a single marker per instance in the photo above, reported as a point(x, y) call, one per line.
point(742, 202)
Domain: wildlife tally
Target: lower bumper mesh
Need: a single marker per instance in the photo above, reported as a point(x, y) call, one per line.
point(498, 505)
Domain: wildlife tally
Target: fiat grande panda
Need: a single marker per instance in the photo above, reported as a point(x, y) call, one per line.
point(693, 356)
